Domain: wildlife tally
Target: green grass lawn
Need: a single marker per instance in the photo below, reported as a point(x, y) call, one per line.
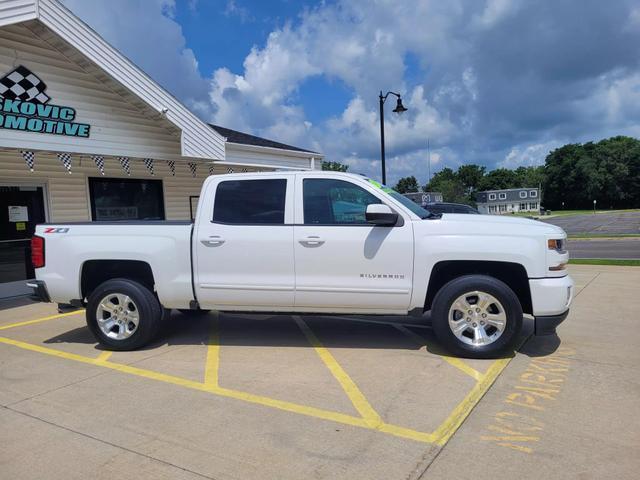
point(605, 261)
point(603, 235)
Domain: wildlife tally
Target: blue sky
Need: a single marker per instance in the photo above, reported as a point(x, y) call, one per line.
point(494, 82)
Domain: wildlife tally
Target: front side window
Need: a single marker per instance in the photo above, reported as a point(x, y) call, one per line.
point(335, 202)
point(250, 202)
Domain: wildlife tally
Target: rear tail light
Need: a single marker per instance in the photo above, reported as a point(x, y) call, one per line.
point(37, 251)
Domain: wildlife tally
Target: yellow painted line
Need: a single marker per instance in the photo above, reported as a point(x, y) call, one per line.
point(453, 361)
point(43, 319)
point(212, 364)
point(463, 409)
point(359, 401)
point(225, 392)
point(104, 356)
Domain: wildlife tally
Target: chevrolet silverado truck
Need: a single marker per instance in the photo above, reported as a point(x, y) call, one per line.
point(310, 242)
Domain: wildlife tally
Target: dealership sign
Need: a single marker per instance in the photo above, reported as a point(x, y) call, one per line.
point(24, 106)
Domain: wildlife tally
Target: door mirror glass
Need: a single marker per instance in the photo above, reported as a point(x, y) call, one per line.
point(381, 215)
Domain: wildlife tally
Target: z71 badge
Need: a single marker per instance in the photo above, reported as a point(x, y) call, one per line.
point(55, 230)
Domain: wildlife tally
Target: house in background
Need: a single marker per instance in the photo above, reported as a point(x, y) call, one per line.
point(510, 200)
point(424, 197)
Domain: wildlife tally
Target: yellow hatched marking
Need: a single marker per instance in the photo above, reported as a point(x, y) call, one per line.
point(350, 388)
point(43, 319)
point(453, 361)
point(212, 364)
point(104, 356)
point(463, 409)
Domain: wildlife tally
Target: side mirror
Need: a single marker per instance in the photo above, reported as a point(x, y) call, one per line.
point(381, 215)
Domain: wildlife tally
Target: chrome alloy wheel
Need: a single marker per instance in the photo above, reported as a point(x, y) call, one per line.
point(117, 316)
point(477, 318)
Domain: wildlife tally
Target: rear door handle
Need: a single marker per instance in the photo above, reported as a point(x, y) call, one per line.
point(311, 241)
point(213, 241)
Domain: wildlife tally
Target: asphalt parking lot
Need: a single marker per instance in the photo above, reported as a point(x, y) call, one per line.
point(246, 396)
point(600, 224)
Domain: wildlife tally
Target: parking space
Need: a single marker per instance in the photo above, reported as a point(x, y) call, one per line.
point(251, 396)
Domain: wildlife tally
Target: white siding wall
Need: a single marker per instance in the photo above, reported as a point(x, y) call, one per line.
point(117, 127)
point(68, 197)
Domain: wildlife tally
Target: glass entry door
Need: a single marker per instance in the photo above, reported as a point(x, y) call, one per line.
point(21, 209)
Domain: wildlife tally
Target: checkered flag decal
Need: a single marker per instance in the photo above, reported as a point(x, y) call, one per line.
point(148, 162)
point(65, 158)
point(99, 163)
point(229, 170)
point(211, 169)
point(244, 170)
point(172, 167)
point(193, 167)
point(21, 84)
point(126, 166)
point(30, 158)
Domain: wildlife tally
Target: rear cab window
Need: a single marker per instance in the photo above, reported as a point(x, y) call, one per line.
point(250, 202)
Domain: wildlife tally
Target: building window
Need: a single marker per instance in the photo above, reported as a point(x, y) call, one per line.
point(250, 202)
point(503, 208)
point(492, 196)
point(523, 194)
point(502, 196)
point(335, 202)
point(114, 199)
point(523, 206)
point(533, 193)
point(533, 206)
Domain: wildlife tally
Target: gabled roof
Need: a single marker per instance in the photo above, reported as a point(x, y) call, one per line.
point(76, 39)
point(234, 136)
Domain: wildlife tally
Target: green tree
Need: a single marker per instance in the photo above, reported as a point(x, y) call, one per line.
point(407, 185)
point(471, 175)
point(335, 166)
point(498, 179)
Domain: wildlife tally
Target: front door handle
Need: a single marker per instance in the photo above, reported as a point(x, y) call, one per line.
point(213, 241)
point(311, 241)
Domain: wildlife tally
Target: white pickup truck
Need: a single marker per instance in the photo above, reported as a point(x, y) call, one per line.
point(310, 242)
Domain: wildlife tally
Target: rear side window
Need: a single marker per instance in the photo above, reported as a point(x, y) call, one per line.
point(250, 202)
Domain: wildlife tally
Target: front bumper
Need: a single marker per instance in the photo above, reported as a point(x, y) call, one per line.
point(40, 293)
point(546, 325)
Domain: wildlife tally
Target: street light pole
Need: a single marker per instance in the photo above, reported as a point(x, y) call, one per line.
point(399, 109)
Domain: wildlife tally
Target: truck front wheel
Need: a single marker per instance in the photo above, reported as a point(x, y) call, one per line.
point(476, 316)
point(123, 314)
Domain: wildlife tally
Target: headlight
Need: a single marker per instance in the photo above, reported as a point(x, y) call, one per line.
point(557, 245)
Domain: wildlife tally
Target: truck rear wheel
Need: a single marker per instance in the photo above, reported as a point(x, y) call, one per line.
point(477, 316)
point(123, 314)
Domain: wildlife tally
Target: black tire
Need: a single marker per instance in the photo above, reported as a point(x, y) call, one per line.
point(146, 304)
point(448, 294)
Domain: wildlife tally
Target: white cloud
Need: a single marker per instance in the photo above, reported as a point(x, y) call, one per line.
point(529, 155)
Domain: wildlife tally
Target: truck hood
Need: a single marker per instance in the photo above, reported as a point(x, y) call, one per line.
point(495, 224)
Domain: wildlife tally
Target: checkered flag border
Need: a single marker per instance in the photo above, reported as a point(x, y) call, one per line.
point(193, 167)
point(229, 170)
point(211, 169)
point(148, 162)
point(30, 158)
point(99, 160)
point(65, 158)
point(21, 84)
point(172, 167)
point(126, 165)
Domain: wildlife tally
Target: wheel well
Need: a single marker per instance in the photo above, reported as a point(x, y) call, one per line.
point(96, 272)
point(513, 274)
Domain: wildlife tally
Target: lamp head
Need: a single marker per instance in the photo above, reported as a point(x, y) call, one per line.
point(399, 106)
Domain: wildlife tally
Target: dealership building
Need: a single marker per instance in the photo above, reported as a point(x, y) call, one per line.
point(85, 135)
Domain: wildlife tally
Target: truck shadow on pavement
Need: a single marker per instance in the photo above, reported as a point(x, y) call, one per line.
point(350, 332)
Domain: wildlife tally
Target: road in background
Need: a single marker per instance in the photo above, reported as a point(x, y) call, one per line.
point(604, 248)
point(598, 224)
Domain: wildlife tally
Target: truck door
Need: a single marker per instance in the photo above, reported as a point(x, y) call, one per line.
point(342, 262)
point(243, 243)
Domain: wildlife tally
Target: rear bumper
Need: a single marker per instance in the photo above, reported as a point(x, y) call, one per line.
point(546, 325)
point(40, 293)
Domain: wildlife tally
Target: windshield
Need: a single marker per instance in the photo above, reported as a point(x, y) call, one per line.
point(414, 207)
